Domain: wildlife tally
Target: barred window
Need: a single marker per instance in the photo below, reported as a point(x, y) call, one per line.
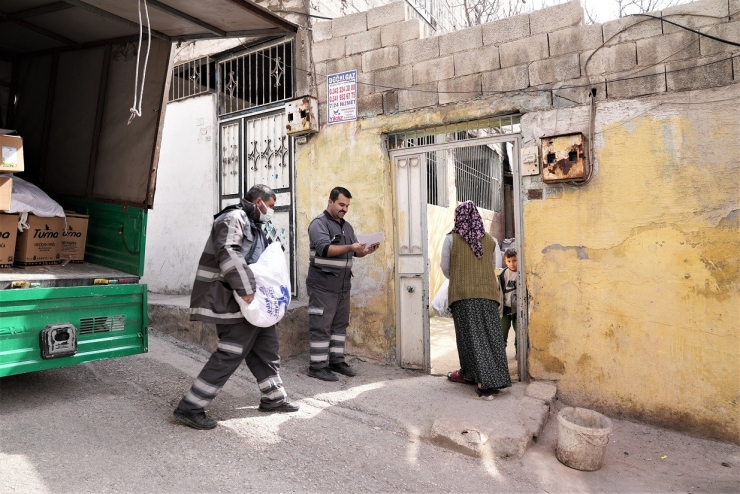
point(257, 77)
point(477, 170)
point(192, 78)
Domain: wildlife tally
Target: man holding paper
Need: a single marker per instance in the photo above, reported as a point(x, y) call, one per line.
point(333, 246)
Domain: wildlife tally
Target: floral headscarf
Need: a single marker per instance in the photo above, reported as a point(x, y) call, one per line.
point(469, 225)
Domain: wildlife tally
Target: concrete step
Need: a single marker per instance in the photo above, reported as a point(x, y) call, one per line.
point(432, 408)
point(518, 416)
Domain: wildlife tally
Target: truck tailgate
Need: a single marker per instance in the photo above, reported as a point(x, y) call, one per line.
point(109, 321)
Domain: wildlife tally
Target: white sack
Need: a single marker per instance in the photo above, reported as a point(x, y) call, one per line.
point(439, 303)
point(27, 198)
point(272, 297)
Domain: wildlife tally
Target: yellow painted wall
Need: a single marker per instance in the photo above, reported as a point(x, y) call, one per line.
point(634, 278)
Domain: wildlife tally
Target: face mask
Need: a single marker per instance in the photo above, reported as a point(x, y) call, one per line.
point(267, 215)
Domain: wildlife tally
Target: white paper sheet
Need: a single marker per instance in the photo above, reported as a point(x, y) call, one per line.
point(373, 238)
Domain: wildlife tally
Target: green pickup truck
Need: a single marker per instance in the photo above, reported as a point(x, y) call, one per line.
point(67, 77)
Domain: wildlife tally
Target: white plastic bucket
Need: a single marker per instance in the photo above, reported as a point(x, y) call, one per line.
point(582, 438)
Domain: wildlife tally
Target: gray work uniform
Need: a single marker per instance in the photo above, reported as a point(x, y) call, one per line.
point(235, 242)
point(329, 282)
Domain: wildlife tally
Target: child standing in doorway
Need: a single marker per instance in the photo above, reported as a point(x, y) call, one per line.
point(507, 280)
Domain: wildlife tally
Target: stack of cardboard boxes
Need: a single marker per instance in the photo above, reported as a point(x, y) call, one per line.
point(47, 240)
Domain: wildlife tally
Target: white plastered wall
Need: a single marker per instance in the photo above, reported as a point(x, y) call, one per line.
point(186, 195)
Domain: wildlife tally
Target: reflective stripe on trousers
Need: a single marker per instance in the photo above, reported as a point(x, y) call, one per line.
point(239, 342)
point(328, 318)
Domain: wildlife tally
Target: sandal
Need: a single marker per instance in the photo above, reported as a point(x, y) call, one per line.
point(456, 377)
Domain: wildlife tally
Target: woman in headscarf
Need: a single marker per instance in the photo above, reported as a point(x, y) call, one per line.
point(474, 298)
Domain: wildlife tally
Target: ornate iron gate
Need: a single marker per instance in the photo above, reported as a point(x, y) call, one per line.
point(253, 145)
point(256, 150)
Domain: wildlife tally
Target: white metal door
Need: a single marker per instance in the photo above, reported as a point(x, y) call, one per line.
point(411, 262)
point(268, 160)
point(255, 149)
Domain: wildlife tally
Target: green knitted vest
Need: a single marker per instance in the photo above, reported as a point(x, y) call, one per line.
point(471, 277)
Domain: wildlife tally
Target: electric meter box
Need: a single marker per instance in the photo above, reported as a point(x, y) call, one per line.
point(564, 158)
point(530, 161)
point(301, 116)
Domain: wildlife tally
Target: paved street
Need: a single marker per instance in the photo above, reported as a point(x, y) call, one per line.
point(106, 427)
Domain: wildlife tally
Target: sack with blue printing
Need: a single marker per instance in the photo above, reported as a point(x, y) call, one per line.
point(272, 297)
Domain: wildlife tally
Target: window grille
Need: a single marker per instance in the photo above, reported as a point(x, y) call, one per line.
point(260, 76)
point(435, 179)
point(192, 78)
point(491, 127)
point(477, 176)
point(441, 16)
point(478, 168)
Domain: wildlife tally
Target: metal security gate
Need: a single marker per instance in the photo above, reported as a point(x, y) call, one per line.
point(253, 145)
point(412, 282)
point(256, 150)
point(256, 77)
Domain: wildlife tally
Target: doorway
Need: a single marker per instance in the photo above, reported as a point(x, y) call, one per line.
point(434, 170)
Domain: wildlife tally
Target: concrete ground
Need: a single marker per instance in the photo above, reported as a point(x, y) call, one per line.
point(106, 427)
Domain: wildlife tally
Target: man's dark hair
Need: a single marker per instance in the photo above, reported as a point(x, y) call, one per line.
point(260, 191)
point(510, 253)
point(334, 195)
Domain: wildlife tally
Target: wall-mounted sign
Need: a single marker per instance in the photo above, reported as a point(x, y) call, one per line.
point(342, 96)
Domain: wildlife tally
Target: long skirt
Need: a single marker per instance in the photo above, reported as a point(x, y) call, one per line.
point(480, 345)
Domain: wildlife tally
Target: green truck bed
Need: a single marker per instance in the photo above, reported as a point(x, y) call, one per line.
point(58, 276)
point(101, 299)
point(110, 321)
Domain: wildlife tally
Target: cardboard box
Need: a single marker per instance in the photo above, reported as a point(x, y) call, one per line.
point(6, 191)
point(41, 243)
point(8, 236)
point(74, 237)
point(11, 154)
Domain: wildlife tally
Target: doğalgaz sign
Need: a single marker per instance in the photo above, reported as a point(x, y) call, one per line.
point(342, 96)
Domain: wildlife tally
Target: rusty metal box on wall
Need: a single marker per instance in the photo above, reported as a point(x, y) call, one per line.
point(302, 116)
point(564, 158)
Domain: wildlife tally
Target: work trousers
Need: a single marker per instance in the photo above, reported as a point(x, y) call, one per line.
point(328, 318)
point(239, 342)
point(508, 321)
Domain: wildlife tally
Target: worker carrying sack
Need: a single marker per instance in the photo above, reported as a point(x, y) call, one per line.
point(273, 289)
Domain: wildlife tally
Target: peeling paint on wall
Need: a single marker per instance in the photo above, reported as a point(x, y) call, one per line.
point(634, 279)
